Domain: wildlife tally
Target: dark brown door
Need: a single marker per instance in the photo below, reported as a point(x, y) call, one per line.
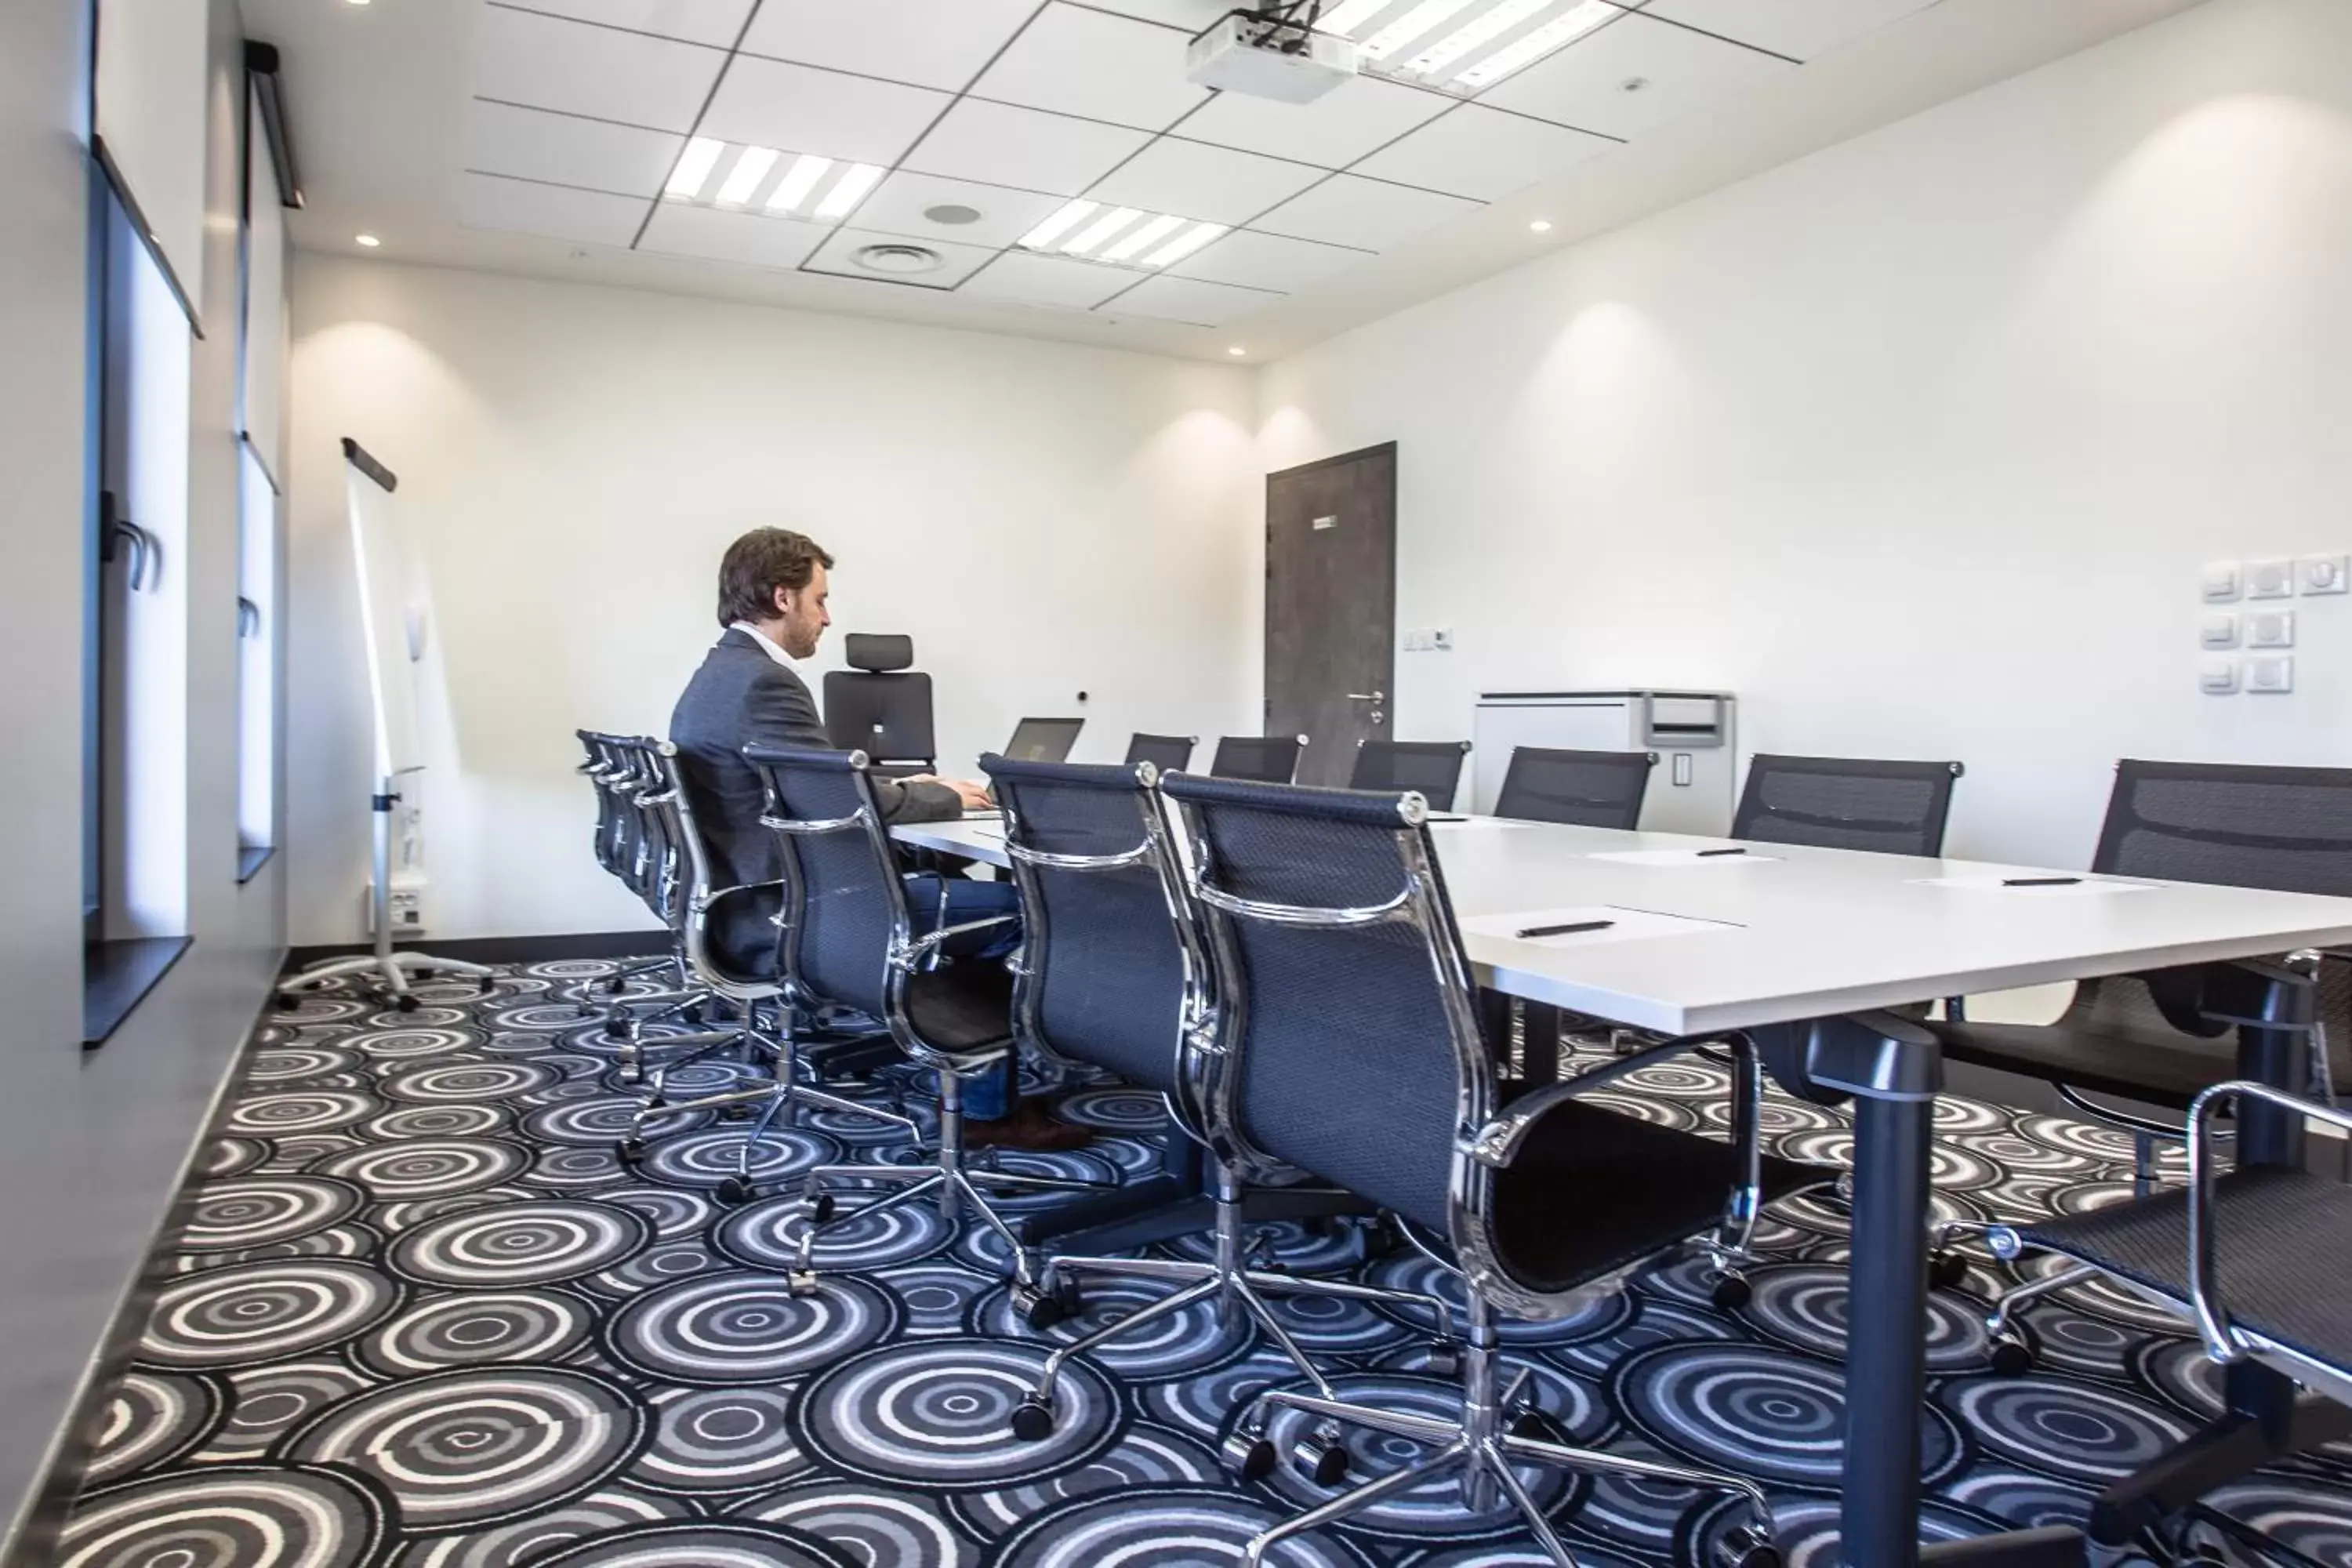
point(1330, 606)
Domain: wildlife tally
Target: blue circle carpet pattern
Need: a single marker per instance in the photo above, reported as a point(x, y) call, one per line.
point(419, 1315)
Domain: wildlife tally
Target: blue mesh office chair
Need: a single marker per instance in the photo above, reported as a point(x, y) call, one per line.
point(1266, 759)
point(881, 705)
point(781, 1043)
point(1430, 769)
point(849, 941)
point(1344, 1042)
point(616, 843)
point(1168, 753)
point(1579, 789)
point(1110, 975)
point(1847, 803)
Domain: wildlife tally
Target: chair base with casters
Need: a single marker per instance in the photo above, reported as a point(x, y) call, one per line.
point(1238, 1285)
point(2253, 1259)
point(951, 1180)
point(391, 969)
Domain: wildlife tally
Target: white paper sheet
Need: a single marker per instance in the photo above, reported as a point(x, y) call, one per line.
point(1624, 925)
point(1682, 858)
point(1998, 883)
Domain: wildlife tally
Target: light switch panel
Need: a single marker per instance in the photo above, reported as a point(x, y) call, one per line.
point(2218, 630)
point(2220, 583)
point(2270, 579)
point(2274, 673)
point(2218, 677)
point(2270, 628)
point(2325, 574)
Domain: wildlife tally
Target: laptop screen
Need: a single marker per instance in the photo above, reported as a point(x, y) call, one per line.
point(1044, 740)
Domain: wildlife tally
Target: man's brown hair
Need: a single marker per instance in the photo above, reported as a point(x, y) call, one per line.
point(762, 562)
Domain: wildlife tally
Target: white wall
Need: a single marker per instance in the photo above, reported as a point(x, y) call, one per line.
point(572, 460)
point(1916, 444)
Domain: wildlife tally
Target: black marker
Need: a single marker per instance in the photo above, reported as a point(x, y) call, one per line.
point(1575, 929)
point(1704, 854)
point(2040, 881)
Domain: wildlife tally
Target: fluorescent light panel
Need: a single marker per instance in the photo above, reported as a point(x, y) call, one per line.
point(1557, 34)
point(1185, 244)
point(849, 190)
point(1102, 228)
point(1042, 237)
point(798, 182)
point(1350, 14)
point(1420, 19)
point(1143, 235)
point(745, 177)
point(694, 166)
point(1482, 29)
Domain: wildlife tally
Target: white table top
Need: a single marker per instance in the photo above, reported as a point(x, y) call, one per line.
point(1798, 933)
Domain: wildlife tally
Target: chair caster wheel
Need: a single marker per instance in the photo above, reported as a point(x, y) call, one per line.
point(1535, 1425)
point(1033, 1419)
point(820, 1206)
point(1749, 1547)
point(800, 1282)
point(285, 1001)
point(616, 1030)
point(1443, 1359)
point(629, 1150)
point(1248, 1455)
point(2011, 1355)
point(611, 986)
point(1321, 1458)
point(734, 1113)
point(405, 1002)
point(423, 974)
point(1947, 1270)
point(1038, 1309)
point(1729, 1291)
point(734, 1190)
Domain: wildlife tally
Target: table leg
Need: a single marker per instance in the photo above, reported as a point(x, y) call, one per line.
point(1886, 1367)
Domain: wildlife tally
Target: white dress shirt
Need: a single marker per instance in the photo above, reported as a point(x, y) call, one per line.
point(774, 650)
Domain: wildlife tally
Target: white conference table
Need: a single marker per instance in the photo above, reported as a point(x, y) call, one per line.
point(1792, 944)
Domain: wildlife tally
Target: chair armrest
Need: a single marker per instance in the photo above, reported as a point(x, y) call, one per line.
point(715, 894)
point(2222, 1342)
point(1498, 1142)
point(916, 950)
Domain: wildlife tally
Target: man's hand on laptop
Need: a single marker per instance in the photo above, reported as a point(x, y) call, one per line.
point(974, 797)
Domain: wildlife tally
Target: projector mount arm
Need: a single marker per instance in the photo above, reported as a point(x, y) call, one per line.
point(1284, 28)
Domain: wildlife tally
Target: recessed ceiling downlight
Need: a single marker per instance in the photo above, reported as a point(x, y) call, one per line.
point(952, 213)
point(898, 258)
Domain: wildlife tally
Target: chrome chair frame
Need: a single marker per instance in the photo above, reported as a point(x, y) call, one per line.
point(1228, 1279)
point(606, 774)
point(949, 1175)
point(1492, 1435)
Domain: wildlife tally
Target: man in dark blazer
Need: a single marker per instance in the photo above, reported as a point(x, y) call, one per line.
point(772, 586)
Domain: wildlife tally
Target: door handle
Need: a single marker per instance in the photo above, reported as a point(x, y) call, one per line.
point(1366, 696)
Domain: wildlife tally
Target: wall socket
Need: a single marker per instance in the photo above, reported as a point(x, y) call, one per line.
point(1429, 639)
point(408, 892)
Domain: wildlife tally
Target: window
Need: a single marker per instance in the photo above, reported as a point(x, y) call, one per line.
point(261, 365)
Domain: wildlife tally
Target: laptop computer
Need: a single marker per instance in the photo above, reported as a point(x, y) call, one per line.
point(1044, 740)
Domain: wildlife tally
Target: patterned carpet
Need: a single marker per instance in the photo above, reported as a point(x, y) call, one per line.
point(421, 1316)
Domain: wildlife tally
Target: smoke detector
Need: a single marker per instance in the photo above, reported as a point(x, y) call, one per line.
point(898, 258)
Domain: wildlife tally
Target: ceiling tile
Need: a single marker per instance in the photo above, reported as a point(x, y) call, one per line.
point(534, 144)
point(1189, 299)
point(838, 256)
point(799, 109)
point(1076, 61)
point(1483, 152)
point(1191, 16)
point(1267, 262)
point(716, 22)
point(548, 63)
point(593, 217)
point(1029, 278)
point(1024, 148)
point(1215, 183)
point(1334, 130)
point(898, 204)
point(1347, 210)
point(1798, 28)
point(932, 43)
point(1584, 84)
point(709, 234)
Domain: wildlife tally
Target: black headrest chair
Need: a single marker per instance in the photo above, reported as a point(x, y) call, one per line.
point(881, 705)
point(1579, 789)
point(1847, 803)
point(1346, 1044)
point(1111, 975)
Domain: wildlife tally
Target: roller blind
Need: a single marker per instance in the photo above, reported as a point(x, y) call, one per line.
point(149, 121)
point(264, 305)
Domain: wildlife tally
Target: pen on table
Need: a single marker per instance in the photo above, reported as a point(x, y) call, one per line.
point(1704, 854)
point(1573, 928)
point(2040, 881)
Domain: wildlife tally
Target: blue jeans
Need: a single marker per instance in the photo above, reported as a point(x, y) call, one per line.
point(988, 1097)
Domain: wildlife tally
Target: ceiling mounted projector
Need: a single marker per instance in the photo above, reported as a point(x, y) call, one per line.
point(1259, 54)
